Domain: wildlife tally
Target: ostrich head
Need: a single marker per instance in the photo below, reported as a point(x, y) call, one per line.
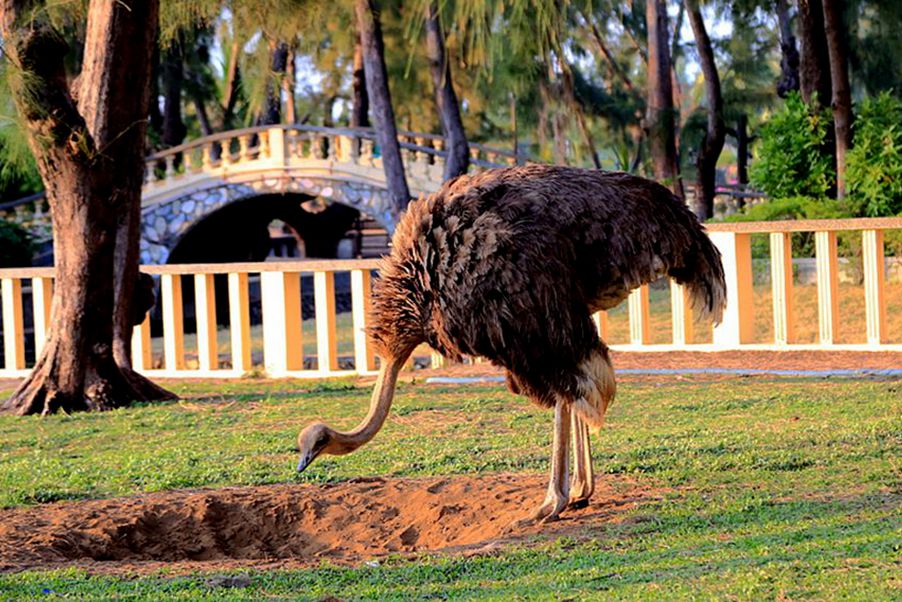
point(314, 440)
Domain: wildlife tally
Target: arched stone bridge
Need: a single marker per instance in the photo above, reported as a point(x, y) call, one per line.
point(186, 184)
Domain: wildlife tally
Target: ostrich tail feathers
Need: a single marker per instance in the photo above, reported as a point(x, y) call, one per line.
point(597, 388)
point(701, 272)
point(708, 288)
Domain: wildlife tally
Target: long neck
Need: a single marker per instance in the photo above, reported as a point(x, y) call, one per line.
point(380, 404)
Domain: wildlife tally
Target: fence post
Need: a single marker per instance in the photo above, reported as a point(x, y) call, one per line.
point(737, 326)
point(41, 300)
point(13, 329)
point(240, 321)
point(874, 280)
point(680, 314)
point(173, 324)
point(781, 286)
point(639, 316)
point(827, 286)
point(205, 316)
point(282, 343)
point(324, 299)
point(142, 356)
point(361, 299)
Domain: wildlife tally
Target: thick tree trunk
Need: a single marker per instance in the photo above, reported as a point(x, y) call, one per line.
point(360, 109)
point(789, 53)
point(814, 63)
point(842, 95)
point(272, 112)
point(457, 160)
point(172, 71)
point(712, 143)
point(91, 157)
point(660, 115)
point(370, 31)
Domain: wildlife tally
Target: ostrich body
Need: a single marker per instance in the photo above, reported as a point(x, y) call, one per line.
point(510, 264)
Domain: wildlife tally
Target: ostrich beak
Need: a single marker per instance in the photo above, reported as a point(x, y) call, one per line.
point(305, 461)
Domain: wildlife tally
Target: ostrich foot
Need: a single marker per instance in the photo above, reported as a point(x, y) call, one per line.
point(582, 485)
point(558, 492)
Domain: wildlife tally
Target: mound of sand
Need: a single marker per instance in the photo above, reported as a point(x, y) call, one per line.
point(289, 524)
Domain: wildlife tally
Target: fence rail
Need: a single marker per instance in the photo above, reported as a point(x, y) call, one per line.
point(222, 298)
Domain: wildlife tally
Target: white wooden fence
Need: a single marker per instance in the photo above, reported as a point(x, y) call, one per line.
point(283, 332)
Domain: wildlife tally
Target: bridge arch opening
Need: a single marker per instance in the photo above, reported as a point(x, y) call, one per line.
point(305, 227)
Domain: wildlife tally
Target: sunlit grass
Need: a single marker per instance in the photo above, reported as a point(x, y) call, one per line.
point(772, 487)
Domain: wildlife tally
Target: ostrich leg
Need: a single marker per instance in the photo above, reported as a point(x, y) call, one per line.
point(559, 483)
point(583, 483)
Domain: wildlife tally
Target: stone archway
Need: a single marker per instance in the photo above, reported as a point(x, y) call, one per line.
point(164, 223)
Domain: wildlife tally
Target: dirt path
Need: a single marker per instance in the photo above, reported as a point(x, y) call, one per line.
point(293, 525)
point(758, 360)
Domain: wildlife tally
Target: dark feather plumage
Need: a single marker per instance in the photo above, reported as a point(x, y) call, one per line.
point(509, 264)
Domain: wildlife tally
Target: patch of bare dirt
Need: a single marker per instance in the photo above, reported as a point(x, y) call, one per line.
point(294, 525)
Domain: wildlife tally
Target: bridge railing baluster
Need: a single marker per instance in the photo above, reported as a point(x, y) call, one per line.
point(206, 156)
point(366, 152)
point(170, 166)
point(332, 142)
point(244, 145)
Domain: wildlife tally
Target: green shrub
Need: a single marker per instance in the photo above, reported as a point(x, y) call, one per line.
point(874, 165)
point(789, 157)
point(15, 246)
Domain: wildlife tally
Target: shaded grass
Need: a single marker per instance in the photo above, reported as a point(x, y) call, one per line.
point(776, 487)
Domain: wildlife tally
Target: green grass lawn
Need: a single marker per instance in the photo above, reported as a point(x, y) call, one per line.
point(774, 489)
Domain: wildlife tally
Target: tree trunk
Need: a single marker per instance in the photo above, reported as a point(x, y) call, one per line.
point(742, 149)
point(172, 71)
point(789, 53)
point(370, 31)
point(612, 62)
point(570, 95)
point(839, 79)
point(457, 160)
point(660, 111)
point(712, 143)
point(90, 153)
point(288, 86)
point(360, 111)
point(514, 129)
point(233, 84)
point(272, 112)
point(814, 63)
point(206, 127)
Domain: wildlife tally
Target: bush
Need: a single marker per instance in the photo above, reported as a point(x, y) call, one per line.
point(874, 165)
point(789, 157)
point(16, 247)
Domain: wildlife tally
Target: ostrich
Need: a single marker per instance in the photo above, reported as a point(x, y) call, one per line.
point(509, 264)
